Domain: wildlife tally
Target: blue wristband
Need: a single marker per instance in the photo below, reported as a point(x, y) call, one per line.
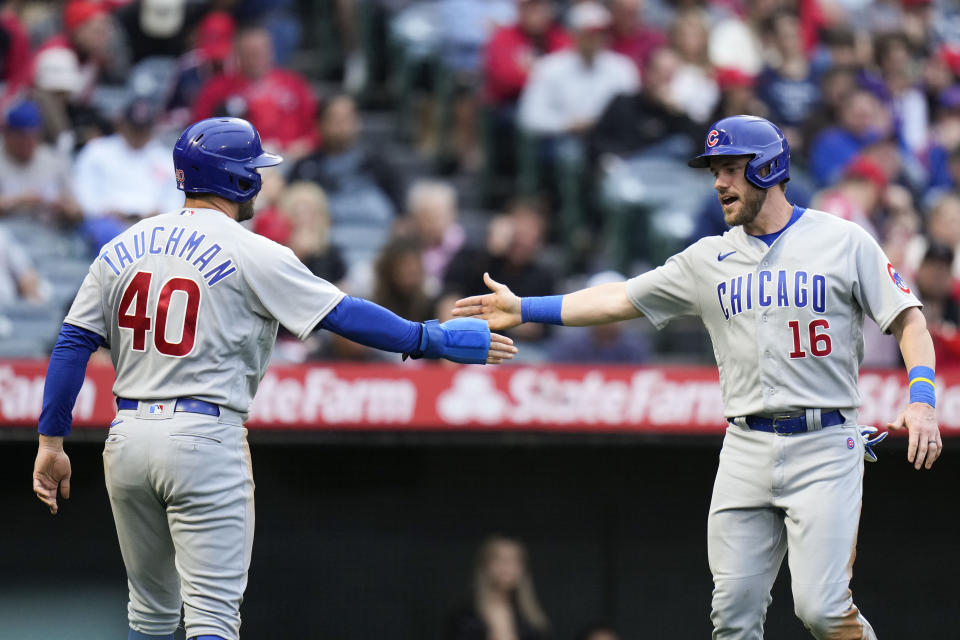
point(922, 386)
point(544, 309)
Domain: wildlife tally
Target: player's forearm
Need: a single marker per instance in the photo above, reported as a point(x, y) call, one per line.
point(910, 328)
point(371, 325)
point(916, 345)
point(602, 304)
point(65, 374)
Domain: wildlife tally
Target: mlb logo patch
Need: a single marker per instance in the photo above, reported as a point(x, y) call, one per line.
point(156, 408)
point(850, 443)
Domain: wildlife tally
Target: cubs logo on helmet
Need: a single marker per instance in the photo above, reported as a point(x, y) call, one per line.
point(760, 139)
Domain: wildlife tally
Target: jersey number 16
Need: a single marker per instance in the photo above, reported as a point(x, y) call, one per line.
point(820, 344)
point(135, 297)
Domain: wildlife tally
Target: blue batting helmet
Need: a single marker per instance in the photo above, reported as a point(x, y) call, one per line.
point(221, 156)
point(749, 136)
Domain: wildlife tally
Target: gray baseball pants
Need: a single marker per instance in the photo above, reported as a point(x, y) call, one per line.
point(181, 490)
point(777, 494)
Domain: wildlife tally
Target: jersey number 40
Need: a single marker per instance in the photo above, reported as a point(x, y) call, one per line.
point(135, 298)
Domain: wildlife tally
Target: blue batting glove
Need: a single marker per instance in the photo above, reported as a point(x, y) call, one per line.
point(869, 443)
point(464, 340)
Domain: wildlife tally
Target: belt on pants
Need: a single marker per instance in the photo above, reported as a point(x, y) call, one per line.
point(788, 424)
point(190, 405)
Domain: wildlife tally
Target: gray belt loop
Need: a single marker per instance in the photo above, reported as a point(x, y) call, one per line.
point(813, 420)
point(741, 422)
point(229, 416)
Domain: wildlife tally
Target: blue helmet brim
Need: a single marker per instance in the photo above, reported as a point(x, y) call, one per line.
point(265, 160)
point(702, 161)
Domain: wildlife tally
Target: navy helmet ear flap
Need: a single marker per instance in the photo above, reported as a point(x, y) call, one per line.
point(221, 156)
point(749, 136)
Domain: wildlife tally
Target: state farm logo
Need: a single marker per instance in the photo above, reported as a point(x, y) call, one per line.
point(474, 397)
point(539, 396)
point(324, 397)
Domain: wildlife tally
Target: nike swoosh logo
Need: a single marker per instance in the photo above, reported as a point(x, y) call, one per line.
point(723, 256)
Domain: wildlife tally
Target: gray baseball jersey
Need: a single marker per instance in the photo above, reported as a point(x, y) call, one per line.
point(189, 303)
point(786, 320)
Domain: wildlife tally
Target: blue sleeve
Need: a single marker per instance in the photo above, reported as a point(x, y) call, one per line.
point(65, 372)
point(370, 324)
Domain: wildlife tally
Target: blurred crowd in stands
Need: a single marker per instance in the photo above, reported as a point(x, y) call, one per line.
point(429, 141)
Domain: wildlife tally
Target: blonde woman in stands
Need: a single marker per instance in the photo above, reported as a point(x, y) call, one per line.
point(505, 604)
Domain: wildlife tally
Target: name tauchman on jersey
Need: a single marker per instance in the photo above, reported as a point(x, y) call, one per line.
point(158, 241)
point(796, 289)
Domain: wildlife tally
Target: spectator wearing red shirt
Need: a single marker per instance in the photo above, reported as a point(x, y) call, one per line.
point(512, 50)
point(630, 36)
point(278, 102)
point(509, 56)
point(14, 44)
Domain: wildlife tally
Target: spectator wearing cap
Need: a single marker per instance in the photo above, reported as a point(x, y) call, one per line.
point(630, 36)
point(278, 102)
point(858, 196)
point(569, 89)
point(737, 95)
point(34, 179)
point(213, 47)
point(863, 121)
point(68, 121)
point(126, 176)
point(157, 27)
point(567, 92)
point(89, 30)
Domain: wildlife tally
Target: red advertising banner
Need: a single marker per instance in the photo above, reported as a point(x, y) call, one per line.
point(550, 398)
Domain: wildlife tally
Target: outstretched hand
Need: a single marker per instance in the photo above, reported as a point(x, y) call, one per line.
point(51, 471)
point(501, 309)
point(501, 348)
point(925, 444)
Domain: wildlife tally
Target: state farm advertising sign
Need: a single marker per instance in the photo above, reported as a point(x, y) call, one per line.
point(575, 399)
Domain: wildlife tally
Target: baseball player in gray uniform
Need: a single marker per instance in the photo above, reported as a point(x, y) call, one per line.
point(189, 303)
point(783, 296)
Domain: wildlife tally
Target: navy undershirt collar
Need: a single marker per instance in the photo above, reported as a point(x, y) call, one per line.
point(769, 238)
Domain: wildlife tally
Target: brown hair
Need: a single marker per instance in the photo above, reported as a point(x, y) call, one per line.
point(525, 596)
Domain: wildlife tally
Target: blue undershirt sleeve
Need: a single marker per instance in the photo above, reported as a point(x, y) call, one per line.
point(371, 325)
point(65, 373)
